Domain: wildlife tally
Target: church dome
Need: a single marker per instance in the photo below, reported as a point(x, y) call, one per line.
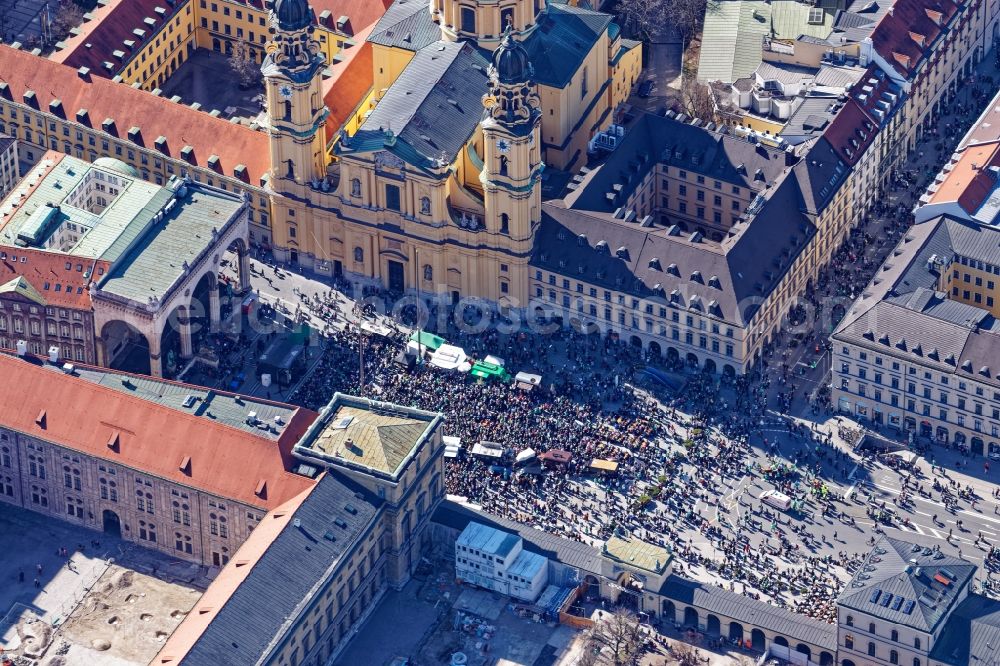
point(292, 14)
point(112, 164)
point(510, 61)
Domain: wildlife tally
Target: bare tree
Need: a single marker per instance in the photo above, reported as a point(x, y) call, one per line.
point(686, 16)
point(617, 637)
point(242, 63)
point(642, 19)
point(697, 99)
point(66, 17)
point(685, 654)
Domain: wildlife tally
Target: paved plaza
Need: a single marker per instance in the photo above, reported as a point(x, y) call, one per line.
point(85, 596)
point(206, 78)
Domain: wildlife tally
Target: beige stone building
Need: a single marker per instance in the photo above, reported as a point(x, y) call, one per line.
point(116, 453)
point(413, 199)
point(64, 236)
point(346, 495)
point(917, 351)
point(361, 529)
point(10, 170)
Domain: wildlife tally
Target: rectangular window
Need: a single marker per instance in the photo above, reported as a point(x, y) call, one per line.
point(392, 197)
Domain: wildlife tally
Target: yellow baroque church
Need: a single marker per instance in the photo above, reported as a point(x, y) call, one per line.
point(433, 185)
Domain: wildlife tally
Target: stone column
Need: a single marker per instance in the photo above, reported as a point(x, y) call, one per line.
point(214, 308)
point(184, 324)
point(101, 352)
point(244, 271)
point(155, 363)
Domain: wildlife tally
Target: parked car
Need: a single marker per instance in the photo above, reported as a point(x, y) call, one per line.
point(646, 88)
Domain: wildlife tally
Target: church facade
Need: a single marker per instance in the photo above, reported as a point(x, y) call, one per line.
point(437, 190)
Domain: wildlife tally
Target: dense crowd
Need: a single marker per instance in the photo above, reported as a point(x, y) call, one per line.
point(692, 459)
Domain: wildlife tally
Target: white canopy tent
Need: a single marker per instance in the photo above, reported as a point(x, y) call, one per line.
point(449, 357)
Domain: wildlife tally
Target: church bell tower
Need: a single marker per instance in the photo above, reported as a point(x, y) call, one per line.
point(512, 166)
point(292, 71)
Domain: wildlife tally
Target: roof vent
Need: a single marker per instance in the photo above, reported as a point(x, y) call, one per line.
point(185, 465)
point(41, 419)
point(261, 489)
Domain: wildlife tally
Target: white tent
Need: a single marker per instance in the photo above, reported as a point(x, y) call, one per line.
point(527, 381)
point(525, 456)
point(449, 357)
point(495, 360)
point(487, 449)
point(452, 446)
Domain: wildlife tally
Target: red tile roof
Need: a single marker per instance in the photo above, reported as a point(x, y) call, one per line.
point(155, 116)
point(352, 78)
point(112, 24)
point(46, 271)
point(361, 13)
point(86, 417)
point(899, 34)
point(970, 181)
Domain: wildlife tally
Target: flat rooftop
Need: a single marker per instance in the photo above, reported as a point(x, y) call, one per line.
point(374, 435)
point(637, 553)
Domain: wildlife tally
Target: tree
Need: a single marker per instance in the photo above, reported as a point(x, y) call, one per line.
point(66, 17)
point(616, 638)
point(686, 16)
point(685, 654)
point(697, 99)
point(646, 19)
point(242, 63)
point(642, 19)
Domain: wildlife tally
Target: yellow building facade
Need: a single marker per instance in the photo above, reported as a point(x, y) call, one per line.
point(427, 194)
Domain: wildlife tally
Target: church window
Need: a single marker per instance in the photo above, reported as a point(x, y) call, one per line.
point(504, 223)
point(355, 187)
point(288, 109)
point(392, 197)
point(359, 255)
point(468, 19)
point(503, 165)
point(428, 273)
point(425, 206)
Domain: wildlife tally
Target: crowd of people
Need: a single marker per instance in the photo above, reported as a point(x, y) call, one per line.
point(692, 460)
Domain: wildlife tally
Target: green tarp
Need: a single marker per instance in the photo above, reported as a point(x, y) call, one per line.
point(428, 340)
point(489, 370)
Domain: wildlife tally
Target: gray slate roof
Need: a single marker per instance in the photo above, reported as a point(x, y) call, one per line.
point(897, 569)
point(432, 108)
point(149, 257)
point(562, 39)
point(971, 635)
point(211, 404)
point(813, 115)
point(407, 25)
point(921, 323)
point(752, 612)
point(747, 263)
point(285, 575)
